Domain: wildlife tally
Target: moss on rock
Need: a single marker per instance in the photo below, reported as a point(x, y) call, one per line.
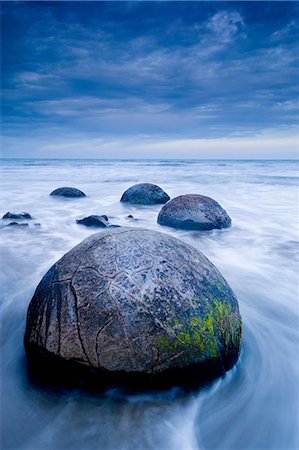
point(215, 332)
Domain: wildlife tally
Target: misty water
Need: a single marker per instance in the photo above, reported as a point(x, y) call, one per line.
point(255, 405)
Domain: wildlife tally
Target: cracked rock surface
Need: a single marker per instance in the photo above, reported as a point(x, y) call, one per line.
point(135, 300)
point(193, 212)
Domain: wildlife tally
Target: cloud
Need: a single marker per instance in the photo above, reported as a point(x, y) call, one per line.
point(288, 105)
point(266, 144)
point(289, 31)
point(226, 24)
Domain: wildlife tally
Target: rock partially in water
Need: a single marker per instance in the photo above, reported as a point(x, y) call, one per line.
point(130, 217)
point(134, 306)
point(17, 216)
point(194, 212)
point(145, 194)
point(17, 224)
point(94, 221)
point(68, 192)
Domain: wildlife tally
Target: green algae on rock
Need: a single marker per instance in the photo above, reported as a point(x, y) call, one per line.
point(134, 305)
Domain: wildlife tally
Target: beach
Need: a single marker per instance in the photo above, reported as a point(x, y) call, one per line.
point(255, 405)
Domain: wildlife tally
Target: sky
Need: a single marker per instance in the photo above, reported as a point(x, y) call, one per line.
point(146, 79)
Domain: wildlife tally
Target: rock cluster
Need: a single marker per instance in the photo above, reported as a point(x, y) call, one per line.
point(136, 306)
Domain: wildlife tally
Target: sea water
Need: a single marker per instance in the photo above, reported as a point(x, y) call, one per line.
point(255, 405)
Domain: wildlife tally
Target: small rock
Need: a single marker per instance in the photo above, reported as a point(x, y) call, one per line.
point(94, 221)
point(17, 216)
point(130, 217)
point(145, 194)
point(68, 192)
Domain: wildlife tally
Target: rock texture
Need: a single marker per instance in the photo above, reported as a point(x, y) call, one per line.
point(17, 216)
point(68, 192)
point(145, 194)
point(132, 304)
point(194, 212)
point(94, 221)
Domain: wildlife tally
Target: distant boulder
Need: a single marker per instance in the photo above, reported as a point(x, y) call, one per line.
point(68, 192)
point(94, 221)
point(145, 194)
point(17, 216)
point(193, 212)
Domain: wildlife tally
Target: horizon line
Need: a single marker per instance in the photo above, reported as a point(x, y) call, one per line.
point(147, 159)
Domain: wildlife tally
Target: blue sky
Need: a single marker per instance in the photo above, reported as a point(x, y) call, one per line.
point(150, 79)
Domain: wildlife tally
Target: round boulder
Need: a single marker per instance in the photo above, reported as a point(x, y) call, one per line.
point(194, 212)
point(68, 192)
point(134, 306)
point(145, 194)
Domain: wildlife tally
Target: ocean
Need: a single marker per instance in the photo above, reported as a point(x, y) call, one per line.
point(255, 405)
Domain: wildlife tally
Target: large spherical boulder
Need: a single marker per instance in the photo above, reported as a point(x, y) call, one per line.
point(145, 194)
point(131, 304)
point(68, 192)
point(194, 212)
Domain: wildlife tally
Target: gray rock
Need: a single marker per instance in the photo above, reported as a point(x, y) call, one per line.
point(145, 194)
point(94, 221)
point(129, 303)
point(193, 212)
point(68, 192)
point(17, 216)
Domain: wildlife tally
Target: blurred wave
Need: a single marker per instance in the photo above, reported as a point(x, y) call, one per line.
point(255, 405)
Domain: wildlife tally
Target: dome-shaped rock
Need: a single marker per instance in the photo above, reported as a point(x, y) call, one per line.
point(94, 221)
point(68, 192)
point(194, 212)
point(131, 304)
point(145, 194)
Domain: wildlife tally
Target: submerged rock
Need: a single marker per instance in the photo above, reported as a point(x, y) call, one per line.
point(193, 212)
point(17, 224)
point(134, 306)
point(17, 216)
point(130, 217)
point(144, 194)
point(68, 192)
point(94, 221)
